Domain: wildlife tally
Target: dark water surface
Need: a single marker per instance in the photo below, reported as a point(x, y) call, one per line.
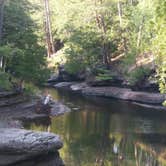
point(107, 132)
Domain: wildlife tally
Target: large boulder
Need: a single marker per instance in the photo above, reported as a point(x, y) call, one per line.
point(19, 145)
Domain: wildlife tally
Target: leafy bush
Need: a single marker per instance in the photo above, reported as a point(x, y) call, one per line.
point(31, 89)
point(4, 81)
point(102, 74)
point(24, 53)
point(159, 43)
point(138, 74)
point(103, 77)
point(74, 66)
point(84, 48)
point(164, 103)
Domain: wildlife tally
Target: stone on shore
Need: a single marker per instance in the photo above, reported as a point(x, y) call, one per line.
point(19, 145)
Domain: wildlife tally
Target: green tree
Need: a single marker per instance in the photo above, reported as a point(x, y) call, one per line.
point(159, 42)
point(20, 30)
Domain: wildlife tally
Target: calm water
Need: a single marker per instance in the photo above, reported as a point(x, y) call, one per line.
point(107, 132)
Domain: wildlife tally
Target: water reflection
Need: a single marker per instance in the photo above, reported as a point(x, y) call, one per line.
point(108, 133)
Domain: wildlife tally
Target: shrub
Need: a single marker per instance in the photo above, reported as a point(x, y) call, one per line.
point(138, 75)
point(4, 81)
point(74, 66)
point(31, 89)
point(103, 77)
point(164, 103)
point(103, 74)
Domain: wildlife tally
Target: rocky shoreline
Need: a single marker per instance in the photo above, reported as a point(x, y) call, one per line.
point(144, 99)
point(19, 146)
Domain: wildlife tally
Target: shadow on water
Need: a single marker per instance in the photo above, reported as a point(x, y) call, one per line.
point(107, 132)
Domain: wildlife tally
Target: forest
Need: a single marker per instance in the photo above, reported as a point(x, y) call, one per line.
point(82, 82)
point(104, 36)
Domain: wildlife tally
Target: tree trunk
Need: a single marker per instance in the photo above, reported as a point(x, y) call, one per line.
point(2, 3)
point(140, 33)
point(131, 2)
point(47, 24)
point(101, 26)
point(120, 13)
point(1, 61)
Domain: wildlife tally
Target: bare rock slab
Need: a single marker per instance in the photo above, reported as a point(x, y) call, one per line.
point(78, 86)
point(58, 108)
point(18, 144)
point(125, 94)
point(64, 84)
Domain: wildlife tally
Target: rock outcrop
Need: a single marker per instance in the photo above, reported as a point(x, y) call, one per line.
point(126, 94)
point(4, 94)
point(22, 147)
point(116, 92)
point(64, 84)
point(78, 86)
point(19, 145)
point(58, 108)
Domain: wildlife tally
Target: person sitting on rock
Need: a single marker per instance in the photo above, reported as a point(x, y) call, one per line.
point(47, 98)
point(43, 105)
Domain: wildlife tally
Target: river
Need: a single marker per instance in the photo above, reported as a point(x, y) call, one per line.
point(107, 132)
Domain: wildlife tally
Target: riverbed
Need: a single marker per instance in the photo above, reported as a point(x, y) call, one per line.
point(107, 132)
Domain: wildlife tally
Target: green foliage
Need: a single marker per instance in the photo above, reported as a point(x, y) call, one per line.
point(102, 74)
point(5, 50)
point(4, 81)
point(83, 47)
point(31, 89)
point(85, 40)
point(159, 43)
point(103, 77)
point(137, 31)
point(130, 57)
point(164, 103)
point(91, 33)
point(138, 74)
point(162, 78)
point(22, 51)
point(91, 29)
point(74, 66)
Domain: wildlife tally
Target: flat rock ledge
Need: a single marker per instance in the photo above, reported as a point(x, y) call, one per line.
point(64, 85)
point(58, 108)
point(115, 92)
point(126, 94)
point(20, 145)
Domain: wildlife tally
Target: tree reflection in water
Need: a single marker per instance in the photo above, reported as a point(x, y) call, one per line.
point(104, 133)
